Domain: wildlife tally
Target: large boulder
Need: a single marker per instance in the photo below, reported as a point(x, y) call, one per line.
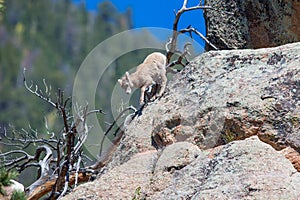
point(228, 127)
point(248, 169)
point(224, 96)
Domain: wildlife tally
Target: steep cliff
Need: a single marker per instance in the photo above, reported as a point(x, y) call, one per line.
point(255, 23)
point(228, 127)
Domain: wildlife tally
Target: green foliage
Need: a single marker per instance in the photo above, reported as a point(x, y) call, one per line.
point(137, 193)
point(18, 195)
point(5, 177)
point(1, 5)
point(228, 136)
point(294, 120)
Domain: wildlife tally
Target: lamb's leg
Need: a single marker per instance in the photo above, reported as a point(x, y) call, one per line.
point(154, 91)
point(143, 89)
point(163, 86)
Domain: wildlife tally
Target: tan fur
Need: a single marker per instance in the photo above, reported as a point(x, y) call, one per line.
point(151, 71)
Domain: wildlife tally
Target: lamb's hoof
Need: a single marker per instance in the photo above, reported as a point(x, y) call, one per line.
point(153, 98)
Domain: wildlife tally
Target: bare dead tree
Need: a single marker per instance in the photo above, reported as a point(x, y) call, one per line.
point(171, 45)
point(57, 156)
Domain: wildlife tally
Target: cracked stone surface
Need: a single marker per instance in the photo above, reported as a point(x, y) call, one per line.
point(228, 127)
point(247, 169)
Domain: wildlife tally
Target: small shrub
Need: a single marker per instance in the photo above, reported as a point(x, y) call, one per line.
point(18, 195)
point(5, 177)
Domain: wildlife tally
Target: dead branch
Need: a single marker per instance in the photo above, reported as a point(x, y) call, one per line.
point(45, 96)
point(44, 167)
point(105, 158)
point(182, 56)
point(58, 156)
point(190, 29)
point(45, 188)
point(172, 43)
point(23, 139)
point(112, 125)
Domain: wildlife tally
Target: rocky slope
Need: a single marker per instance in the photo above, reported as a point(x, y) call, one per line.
point(254, 24)
point(228, 127)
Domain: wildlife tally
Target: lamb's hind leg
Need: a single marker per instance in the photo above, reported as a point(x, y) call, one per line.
point(163, 86)
point(154, 92)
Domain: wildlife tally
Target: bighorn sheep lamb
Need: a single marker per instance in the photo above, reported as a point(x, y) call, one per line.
point(151, 71)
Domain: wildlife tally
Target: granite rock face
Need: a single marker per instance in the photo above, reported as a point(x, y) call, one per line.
point(247, 169)
point(254, 23)
point(228, 127)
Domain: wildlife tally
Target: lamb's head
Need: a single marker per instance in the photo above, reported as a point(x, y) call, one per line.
point(125, 83)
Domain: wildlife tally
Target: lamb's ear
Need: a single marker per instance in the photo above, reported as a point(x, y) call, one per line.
point(120, 81)
point(128, 79)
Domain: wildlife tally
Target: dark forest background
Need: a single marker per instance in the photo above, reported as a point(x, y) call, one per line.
point(51, 38)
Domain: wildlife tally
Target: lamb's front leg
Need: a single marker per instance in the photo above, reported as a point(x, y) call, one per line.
point(143, 89)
